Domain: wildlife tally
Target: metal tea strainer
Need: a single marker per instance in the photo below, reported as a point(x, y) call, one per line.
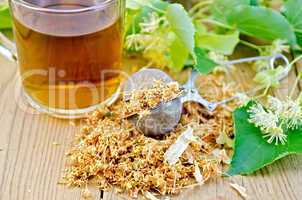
point(163, 118)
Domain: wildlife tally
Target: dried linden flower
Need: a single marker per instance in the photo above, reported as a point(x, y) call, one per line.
point(86, 194)
point(111, 152)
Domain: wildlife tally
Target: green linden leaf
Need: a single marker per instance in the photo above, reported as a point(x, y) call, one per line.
point(224, 44)
point(136, 4)
point(254, 2)
point(220, 8)
point(261, 22)
point(6, 20)
point(299, 38)
point(178, 53)
point(203, 63)
point(200, 28)
point(293, 12)
point(252, 152)
point(182, 25)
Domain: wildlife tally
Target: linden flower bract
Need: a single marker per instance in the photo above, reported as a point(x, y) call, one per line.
point(157, 58)
point(156, 51)
point(156, 43)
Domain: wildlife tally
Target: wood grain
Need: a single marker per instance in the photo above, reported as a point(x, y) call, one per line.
point(32, 155)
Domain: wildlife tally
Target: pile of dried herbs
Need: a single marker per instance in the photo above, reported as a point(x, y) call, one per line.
point(111, 152)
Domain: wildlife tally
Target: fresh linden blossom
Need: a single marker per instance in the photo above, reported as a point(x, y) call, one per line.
point(152, 40)
point(152, 23)
point(289, 112)
point(136, 42)
point(147, 38)
point(275, 105)
point(277, 47)
point(278, 116)
point(220, 58)
point(267, 121)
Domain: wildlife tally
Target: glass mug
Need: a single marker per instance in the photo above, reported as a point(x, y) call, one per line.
point(69, 52)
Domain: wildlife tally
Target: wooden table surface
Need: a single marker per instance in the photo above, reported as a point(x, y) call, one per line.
point(33, 147)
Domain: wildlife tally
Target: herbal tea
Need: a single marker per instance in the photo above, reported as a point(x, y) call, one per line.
point(69, 64)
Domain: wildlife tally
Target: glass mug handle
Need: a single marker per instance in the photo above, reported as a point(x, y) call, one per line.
point(8, 65)
point(7, 48)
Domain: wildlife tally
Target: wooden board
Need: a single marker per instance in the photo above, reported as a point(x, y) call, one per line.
point(33, 147)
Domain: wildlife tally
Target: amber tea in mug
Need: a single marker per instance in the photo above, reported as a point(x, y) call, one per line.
point(69, 52)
